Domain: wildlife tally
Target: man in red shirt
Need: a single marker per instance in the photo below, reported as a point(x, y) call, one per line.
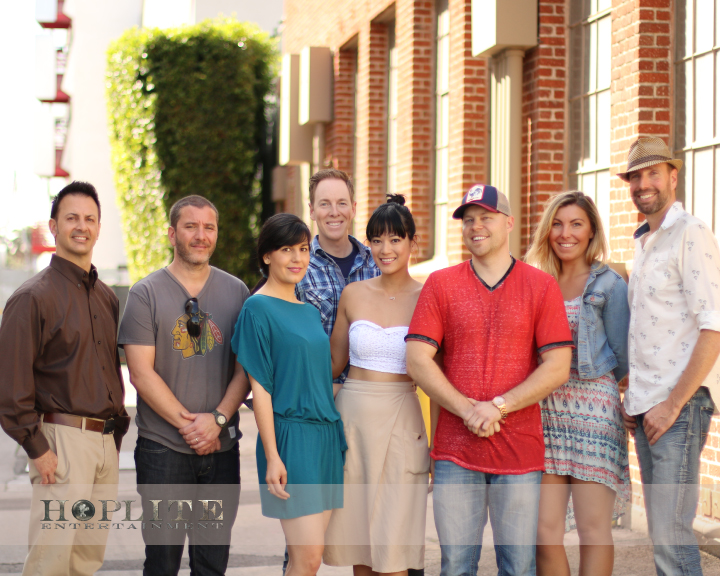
point(491, 316)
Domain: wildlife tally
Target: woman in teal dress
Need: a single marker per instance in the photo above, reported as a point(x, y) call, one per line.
point(281, 344)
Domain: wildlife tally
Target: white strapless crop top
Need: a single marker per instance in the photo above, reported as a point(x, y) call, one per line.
point(376, 348)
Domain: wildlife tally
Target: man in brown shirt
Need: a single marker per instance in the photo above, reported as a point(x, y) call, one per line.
point(62, 392)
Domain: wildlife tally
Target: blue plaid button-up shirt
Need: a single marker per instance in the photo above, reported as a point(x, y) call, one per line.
point(324, 282)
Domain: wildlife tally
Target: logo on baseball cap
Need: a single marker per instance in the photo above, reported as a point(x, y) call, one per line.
point(486, 196)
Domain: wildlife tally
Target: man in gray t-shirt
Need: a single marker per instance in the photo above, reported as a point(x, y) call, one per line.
point(176, 331)
point(196, 370)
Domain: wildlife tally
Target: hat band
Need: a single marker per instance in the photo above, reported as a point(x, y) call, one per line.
point(646, 159)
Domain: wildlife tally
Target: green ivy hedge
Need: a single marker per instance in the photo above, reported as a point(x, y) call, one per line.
point(188, 112)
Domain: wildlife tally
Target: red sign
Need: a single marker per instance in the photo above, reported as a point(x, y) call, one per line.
point(41, 240)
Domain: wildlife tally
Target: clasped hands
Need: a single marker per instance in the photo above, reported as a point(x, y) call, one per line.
point(201, 433)
point(483, 419)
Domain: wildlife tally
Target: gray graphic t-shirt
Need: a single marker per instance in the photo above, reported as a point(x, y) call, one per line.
point(197, 370)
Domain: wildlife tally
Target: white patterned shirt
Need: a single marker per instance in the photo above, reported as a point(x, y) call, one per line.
point(674, 293)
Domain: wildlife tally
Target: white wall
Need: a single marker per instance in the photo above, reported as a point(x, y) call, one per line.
point(168, 13)
point(266, 13)
point(23, 195)
point(95, 23)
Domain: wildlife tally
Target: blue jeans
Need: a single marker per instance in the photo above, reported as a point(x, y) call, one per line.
point(192, 474)
point(461, 500)
point(670, 476)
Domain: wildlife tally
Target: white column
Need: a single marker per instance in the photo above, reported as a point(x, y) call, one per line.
point(303, 196)
point(506, 133)
point(318, 147)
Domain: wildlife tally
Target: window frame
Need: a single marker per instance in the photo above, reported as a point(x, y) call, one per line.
point(688, 145)
point(590, 175)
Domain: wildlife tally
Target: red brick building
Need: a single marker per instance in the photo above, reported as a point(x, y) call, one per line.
point(404, 105)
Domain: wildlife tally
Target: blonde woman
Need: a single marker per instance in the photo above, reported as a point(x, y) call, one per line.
point(585, 442)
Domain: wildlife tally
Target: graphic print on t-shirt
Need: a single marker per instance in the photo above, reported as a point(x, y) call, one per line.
point(191, 346)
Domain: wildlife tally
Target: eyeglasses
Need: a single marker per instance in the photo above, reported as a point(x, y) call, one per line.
point(192, 309)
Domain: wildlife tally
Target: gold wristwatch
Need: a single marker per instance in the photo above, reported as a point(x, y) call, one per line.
point(499, 403)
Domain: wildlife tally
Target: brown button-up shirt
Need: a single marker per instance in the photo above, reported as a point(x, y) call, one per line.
point(58, 353)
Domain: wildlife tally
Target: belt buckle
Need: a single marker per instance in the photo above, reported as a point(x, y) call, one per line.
point(109, 426)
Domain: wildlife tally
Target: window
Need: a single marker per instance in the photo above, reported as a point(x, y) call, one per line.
point(589, 84)
point(442, 125)
point(697, 94)
point(392, 94)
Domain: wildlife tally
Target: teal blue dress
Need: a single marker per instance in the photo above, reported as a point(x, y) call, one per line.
point(283, 346)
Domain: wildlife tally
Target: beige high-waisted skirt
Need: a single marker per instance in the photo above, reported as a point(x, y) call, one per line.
point(382, 524)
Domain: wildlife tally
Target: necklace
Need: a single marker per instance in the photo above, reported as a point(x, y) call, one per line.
point(392, 297)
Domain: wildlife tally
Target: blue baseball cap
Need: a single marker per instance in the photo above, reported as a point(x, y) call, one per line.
point(486, 196)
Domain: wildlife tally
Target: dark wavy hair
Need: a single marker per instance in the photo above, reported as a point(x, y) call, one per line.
point(278, 231)
point(76, 187)
point(393, 217)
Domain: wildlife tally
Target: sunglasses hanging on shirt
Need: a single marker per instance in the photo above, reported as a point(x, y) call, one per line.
point(192, 309)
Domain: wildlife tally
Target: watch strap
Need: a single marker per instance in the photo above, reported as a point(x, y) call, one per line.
point(217, 414)
point(501, 407)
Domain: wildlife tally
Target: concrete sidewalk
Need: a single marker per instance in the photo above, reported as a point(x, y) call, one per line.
point(257, 544)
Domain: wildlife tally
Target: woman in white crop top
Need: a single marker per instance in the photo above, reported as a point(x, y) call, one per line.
point(381, 527)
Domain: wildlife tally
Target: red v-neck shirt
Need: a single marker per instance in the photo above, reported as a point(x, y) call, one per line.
point(491, 339)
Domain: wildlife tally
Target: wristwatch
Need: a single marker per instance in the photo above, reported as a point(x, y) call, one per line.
point(220, 419)
point(499, 403)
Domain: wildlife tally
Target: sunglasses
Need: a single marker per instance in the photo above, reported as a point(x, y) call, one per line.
point(192, 309)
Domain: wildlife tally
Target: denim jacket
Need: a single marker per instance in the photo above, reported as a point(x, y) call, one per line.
point(603, 325)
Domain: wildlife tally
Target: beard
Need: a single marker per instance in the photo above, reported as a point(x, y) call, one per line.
point(659, 204)
point(187, 256)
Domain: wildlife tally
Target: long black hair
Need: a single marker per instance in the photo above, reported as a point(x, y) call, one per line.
point(393, 217)
point(278, 231)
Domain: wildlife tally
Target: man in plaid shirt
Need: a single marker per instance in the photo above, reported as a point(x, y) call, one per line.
point(336, 258)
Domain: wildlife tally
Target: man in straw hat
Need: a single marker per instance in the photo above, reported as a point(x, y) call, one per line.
point(674, 344)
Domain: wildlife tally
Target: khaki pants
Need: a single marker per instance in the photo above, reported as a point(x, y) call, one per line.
point(87, 470)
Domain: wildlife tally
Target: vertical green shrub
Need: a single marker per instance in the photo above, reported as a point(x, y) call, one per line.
point(187, 115)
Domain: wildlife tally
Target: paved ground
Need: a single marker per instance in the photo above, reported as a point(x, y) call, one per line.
point(257, 541)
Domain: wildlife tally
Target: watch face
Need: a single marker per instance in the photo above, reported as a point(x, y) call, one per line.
point(499, 400)
point(221, 420)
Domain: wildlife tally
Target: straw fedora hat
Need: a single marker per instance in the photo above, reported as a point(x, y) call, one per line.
point(648, 151)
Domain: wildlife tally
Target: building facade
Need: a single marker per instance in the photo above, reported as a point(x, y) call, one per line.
point(423, 100)
point(71, 57)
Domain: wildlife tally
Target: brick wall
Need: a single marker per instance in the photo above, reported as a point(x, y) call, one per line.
point(357, 34)
point(340, 133)
point(710, 474)
point(371, 154)
point(415, 38)
point(344, 26)
point(641, 104)
point(640, 100)
point(469, 107)
point(345, 22)
point(544, 104)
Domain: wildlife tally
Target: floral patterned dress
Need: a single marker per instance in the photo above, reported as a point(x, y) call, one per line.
point(583, 429)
